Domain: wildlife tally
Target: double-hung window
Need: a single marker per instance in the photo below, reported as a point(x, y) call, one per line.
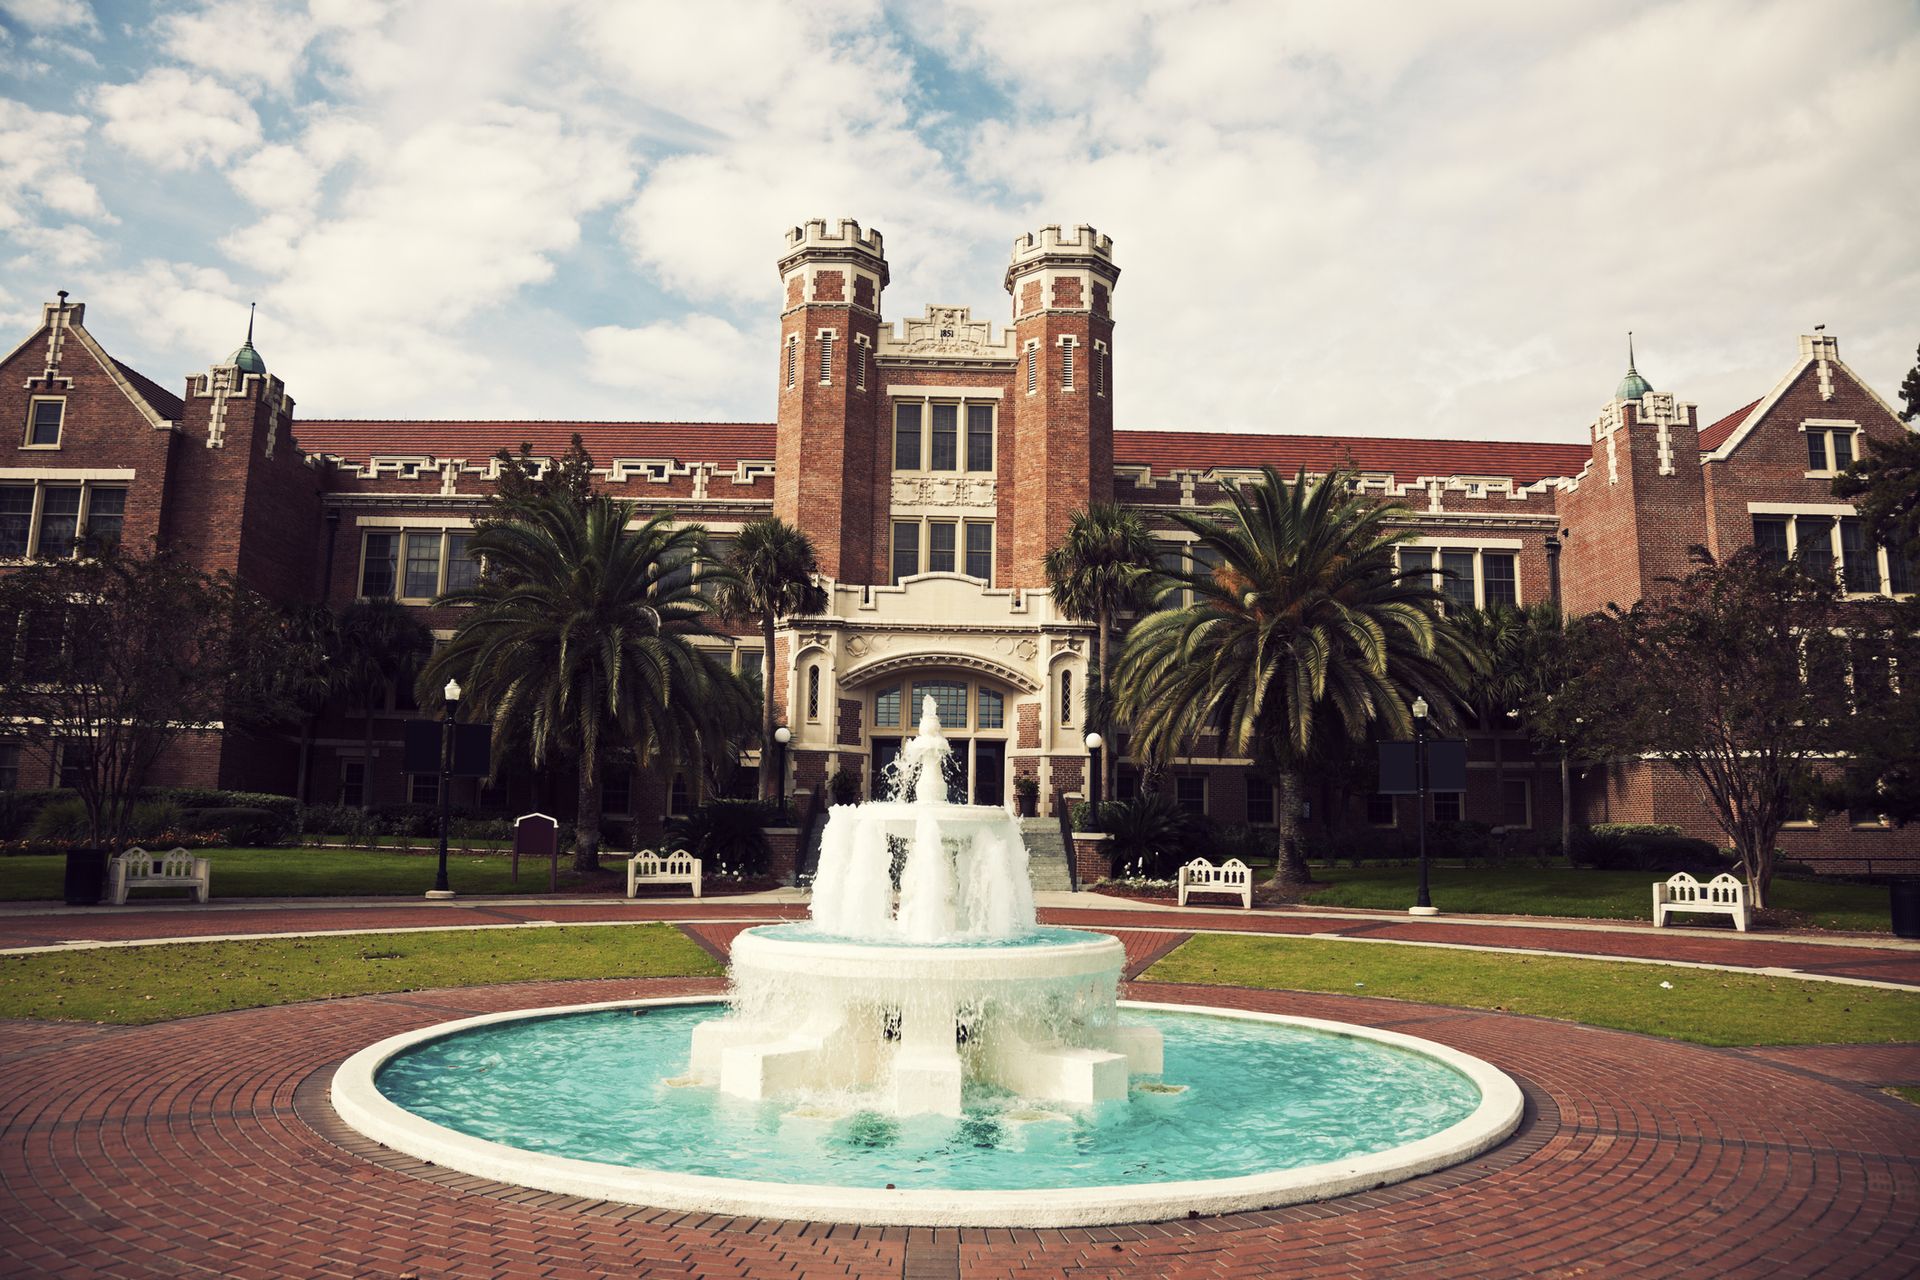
point(53, 521)
point(943, 452)
point(906, 437)
point(416, 564)
point(45, 417)
point(940, 546)
point(979, 437)
point(936, 435)
point(906, 548)
point(1829, 449)
point(980, 550)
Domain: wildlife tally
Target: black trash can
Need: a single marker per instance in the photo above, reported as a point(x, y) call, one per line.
point(1905, 895)
point(86, 880)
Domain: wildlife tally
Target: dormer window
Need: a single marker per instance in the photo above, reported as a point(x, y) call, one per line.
point(45, 416)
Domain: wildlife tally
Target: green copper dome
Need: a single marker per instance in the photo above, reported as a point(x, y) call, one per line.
point(246, 359)
point(1633, 386)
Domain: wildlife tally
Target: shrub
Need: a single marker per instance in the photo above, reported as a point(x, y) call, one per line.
point(19, 808)
point(844, 787)
point(1152, 834)
point(329, 819)
point(730, 833)
point(59, 821)
point(1219, 842)
point(1083, 818)
point(286, 808)
point(236, 825)
point(1623, 846)
point(1026, 787)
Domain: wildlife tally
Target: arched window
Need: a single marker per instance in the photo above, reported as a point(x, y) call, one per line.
point(813, 692)
point(1066, 697)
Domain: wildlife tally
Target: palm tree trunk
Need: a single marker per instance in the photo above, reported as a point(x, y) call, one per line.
point(769, 780)
point(1107, 769)
point(1290, 866)
point(586, 820)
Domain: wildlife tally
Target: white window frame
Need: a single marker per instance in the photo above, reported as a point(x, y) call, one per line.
point(1834, 512)
point(1067, 342)
point(813, 693)
point(446, 534)
point(33, 408)
point(1032, 355)
point(1479, 547)
point(1827, 427)
point(83, 517)
point(862, 354)
point(826, 337)
point(1100, 356)
point(963, 403)
point(923, 560)
point(793, 360)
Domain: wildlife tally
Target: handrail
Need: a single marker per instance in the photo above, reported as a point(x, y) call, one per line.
point(1062, 814)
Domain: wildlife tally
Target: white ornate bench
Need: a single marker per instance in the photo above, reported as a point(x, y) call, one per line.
point(648, 867)
point(176, 869)
point(1231, 876)
point(1722, 895)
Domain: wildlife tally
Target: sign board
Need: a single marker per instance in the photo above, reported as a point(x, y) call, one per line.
point(472, 748)
point(1446, 767)
point(537, 836)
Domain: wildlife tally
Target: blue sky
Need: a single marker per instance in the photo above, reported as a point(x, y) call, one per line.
point(1397, 219)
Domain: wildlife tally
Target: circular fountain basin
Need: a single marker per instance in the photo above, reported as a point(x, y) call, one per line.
point(1252, 1111)
point(1040, 952)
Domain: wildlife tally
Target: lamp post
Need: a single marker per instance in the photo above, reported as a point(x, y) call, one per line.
point(1424, 905)
point(1094, 742)
point(781, 737)
point(452, 695)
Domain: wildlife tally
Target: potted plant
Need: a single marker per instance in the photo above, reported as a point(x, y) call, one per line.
point(1026, 794)
point(844, 787)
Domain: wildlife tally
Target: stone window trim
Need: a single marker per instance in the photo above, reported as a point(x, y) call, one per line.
point(1479, 549)
point(862, 354)
point(1032, 356)
point(966, 403)
point(813, 693)
point(1821, 433)
point(919, 544)
point(793, 360)
point(896, 704)
point(827, 337)
point(1066, 697)
point(1789, 514)
point(445, 576)
point(1100, 358)
point(34, 422)
point(1067, 342)
point(87, 522)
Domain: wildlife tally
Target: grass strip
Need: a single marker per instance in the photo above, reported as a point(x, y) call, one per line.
point(1583, 894)
point(309, 873)
point(1908, 1092)
point(134, 985)
point(1702, 1006)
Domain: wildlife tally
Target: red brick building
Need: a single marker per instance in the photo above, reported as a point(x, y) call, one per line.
point(933, 459)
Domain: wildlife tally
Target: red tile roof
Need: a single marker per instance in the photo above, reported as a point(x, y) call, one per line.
point(356, 439)
point(161, 400)
point(1716, 435)
point(725, 442)
point(1405, 459)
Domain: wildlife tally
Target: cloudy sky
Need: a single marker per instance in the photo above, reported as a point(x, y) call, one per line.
point(1404, 219)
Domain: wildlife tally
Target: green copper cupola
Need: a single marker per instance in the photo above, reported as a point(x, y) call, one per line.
point(246, 359)
point(1633, 386)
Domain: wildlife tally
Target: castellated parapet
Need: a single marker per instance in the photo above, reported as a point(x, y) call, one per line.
point(1053, 270)
point(844, 242)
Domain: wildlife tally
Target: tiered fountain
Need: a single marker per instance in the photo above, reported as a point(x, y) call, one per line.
point(918, 994)
point(925, 1054)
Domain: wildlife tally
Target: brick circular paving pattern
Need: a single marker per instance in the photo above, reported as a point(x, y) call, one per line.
point(206, 1147)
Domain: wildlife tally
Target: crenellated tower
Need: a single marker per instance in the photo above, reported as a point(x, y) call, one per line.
point(829, 451)
point(1062, 286)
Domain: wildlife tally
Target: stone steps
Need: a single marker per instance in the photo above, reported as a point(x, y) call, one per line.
point(1046, 854)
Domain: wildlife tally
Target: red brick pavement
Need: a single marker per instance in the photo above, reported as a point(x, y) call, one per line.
point(1861, 1063)
point(204, 1147)
point(1753, 951)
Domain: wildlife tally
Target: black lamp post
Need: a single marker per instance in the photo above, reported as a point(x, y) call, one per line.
point(1094, 743)
point(1424, 905)
point(781, 737)
point(452, 695)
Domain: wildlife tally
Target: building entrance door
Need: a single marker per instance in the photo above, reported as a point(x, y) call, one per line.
point(885, 752)
point(989, 772)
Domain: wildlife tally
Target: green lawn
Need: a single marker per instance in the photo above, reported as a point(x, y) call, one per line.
point(153, 984)
point(1907, 1092)
point(1564, 891)
point(310, 873)
point(1702, 1006)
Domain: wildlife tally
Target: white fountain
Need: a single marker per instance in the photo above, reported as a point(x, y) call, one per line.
point(909, 994)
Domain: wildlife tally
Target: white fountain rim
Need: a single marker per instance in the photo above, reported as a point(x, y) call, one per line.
point(365, 1109)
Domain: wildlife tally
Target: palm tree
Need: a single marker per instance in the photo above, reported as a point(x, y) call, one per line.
point(768, 575)
point(378, 643)
point(579, 642)
point(1304, 625)
point(1101, 569)
point(1497, 681)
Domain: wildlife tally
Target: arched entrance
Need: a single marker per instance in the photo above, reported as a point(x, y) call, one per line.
point(974, 713)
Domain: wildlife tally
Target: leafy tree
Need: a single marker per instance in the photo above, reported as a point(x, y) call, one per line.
point(1735, 674)
point(1305, 625)
point(1517, 660)
point(1910, 391)
point(1103, 567)
point(374, 645)
point(523, 481)
point(121, 656)
point(578, 642)
point(768, 575)
point(1884, 484)
point(1882, 737)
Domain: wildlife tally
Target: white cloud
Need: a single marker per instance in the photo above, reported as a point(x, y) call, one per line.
point(176, 121)
point(40, 154)
point(254, 42)
point(684, 367)
point(455, 217)
point(51, 15)
point(278, 177)
point(68, 246)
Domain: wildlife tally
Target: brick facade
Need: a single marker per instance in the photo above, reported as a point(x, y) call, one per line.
point(226, 473)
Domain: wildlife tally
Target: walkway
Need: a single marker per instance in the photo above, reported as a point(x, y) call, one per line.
point(206, 1147)
point(1800, 953)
